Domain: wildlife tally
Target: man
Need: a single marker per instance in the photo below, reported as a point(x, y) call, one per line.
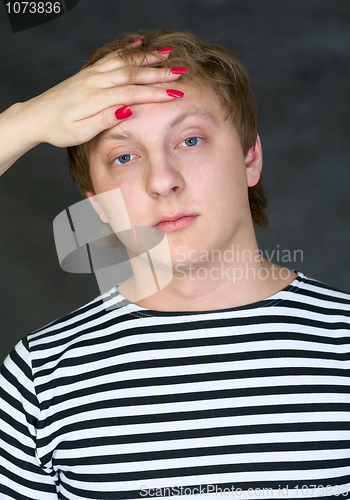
point(228, 380)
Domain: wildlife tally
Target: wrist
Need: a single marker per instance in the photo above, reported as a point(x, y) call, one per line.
point(22, 123)
point(17, 136)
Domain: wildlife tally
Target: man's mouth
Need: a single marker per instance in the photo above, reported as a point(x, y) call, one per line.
point(175, 222)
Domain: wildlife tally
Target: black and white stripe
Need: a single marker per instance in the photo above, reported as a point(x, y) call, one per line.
point(102, 403)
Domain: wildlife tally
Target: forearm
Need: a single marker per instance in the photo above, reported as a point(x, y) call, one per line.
point(17, 135)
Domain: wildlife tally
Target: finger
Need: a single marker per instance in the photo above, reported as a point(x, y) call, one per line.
point(116, 54)
point(132, 94)
point(147, 76)
point(141, 76)
point(114, 61)
point(137, 42)
point(138, 94)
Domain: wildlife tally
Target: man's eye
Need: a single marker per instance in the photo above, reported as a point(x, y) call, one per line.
point(124, 159)
point(191, 141)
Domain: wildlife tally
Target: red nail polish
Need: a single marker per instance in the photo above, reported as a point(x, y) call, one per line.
point(179, 71)
point(137, 39)
point(174, 93)
point(123, 112)
point(165, 51)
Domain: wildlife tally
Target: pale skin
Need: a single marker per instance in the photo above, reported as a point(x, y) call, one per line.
point(164, 176)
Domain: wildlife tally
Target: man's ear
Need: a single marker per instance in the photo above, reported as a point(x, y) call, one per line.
point(97, 206)
point(253, 163)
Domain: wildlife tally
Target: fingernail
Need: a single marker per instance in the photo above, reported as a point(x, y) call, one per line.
point(174, 93)
point(165, 51)
point(123, 112)
point(179, 71)
point(137, 39)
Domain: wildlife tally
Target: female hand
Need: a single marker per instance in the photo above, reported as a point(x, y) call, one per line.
point(79, 108)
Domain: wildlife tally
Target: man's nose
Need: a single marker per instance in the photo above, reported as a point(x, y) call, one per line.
point(163, 176)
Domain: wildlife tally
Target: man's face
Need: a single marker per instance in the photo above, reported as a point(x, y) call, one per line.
point(175, 158)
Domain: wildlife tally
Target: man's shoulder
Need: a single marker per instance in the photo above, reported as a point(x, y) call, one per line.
point(313, 288)
point(91, 320)
point(317, 306)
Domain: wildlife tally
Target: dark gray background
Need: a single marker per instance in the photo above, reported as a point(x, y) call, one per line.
point(297, 53)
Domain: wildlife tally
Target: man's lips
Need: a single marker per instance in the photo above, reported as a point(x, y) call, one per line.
point(175, 222)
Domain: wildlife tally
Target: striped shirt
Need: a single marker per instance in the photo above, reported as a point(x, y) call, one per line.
point(129, 403)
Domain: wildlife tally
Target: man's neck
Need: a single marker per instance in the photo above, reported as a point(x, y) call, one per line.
point(213, 287)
